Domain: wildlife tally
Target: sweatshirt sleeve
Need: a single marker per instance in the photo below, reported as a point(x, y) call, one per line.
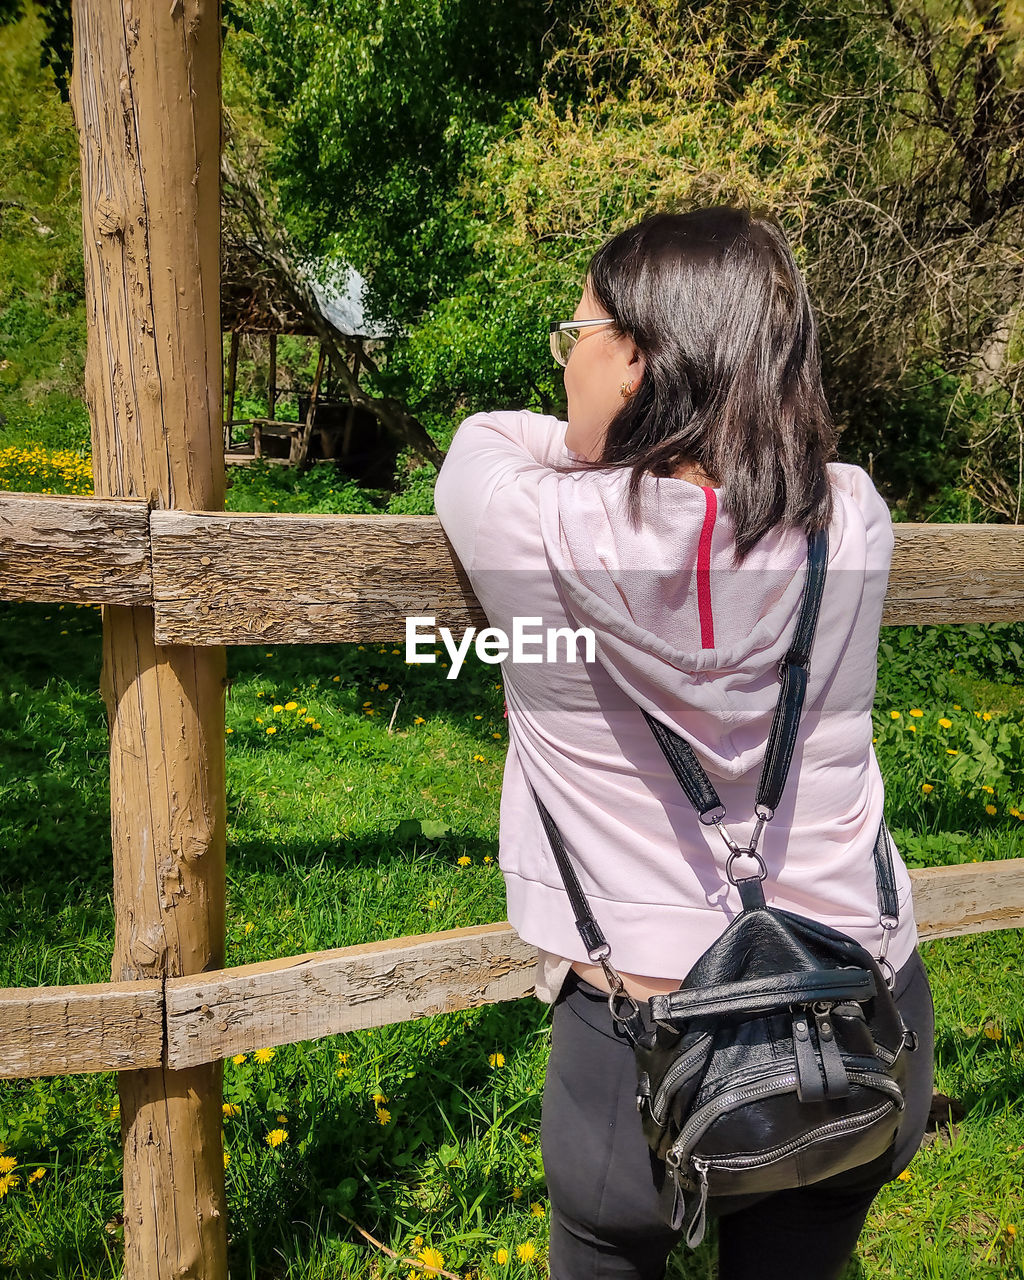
point(490, 450)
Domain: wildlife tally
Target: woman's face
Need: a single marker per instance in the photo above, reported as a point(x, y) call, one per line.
point(600, 363)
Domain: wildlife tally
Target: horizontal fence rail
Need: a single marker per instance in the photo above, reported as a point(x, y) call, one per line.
point(206, 1016)
point(219, 578)
point(57, 549)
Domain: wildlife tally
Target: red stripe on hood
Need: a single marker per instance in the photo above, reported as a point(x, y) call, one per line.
point(707, 621)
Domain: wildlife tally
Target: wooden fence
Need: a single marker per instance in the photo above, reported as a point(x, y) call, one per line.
point(179, 579)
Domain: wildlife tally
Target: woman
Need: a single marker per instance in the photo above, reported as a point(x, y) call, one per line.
point(670, 517)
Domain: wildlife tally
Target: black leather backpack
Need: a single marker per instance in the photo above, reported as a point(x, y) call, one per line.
point(779, 1059)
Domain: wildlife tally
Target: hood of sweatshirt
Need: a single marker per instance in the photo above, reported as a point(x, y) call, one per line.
point(690, 636)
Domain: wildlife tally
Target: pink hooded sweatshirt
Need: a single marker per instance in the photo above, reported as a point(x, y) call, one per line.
point(697, 642)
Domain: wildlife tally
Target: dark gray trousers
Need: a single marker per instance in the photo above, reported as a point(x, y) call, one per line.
point(605, 1219)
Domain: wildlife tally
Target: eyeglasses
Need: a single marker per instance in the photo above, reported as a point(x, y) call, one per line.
point(565, 334)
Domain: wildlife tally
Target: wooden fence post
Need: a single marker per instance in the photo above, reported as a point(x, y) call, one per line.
point(146, 99)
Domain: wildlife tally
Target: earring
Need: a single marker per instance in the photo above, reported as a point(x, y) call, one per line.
point(626, 390)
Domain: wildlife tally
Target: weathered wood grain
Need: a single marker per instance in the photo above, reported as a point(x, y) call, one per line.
point(323, 993)
point(99, 1026)
point(145, 92)
point(295, 579)
point(956, 573)
point(970, 897)
point(212, 1015)
point(215, 1015)
point(302, 579)
point(74, 550)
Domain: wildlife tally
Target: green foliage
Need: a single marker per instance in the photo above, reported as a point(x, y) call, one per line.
point(378, 107)
point(261, 486)
point(42, 313)
point(348, 823)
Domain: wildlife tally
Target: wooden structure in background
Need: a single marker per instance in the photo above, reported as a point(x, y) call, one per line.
point(178, 579)
point(262, 304)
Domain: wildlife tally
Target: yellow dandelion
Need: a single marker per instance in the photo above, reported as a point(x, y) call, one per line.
point(916, 712)
point(7, 1163)
point(495, 735)
point(905, 1176)
point(343, 1058)
point(238, 1059)
point(7, 1182)
point(379, 1099)
point(419, 720)
point(993, 1031)
point(1015, 813)
point(500, 1256)
point(464, 861)
point(36, 1174)
point(277, 707)
point(537, 1210)
point(912, 728)
point(281, 1119)
point(525, 1139)
point(276, 1136)
point(227, 1157)
point(290, 706)
point(263, 1056)
point(517, 1193)
point(944, 723)
point(230, 1109)
point(927, 788)
point(986, 715)
point(1011, 1230)
point(229, 730)
point(316, 724)
point(957, 706)
point(951, 751)
point(894, 714)
point(431, 1257)
point(383, 1115)
point(526, 1252)
point(990, 809)
point(488, 859)
point(442, 1043)
point(382, 687)
point(431, 904)
point(481, 759)
point(336, 679)
point(496, 1060)
point(271, 729)
point(259, 719)
point(248, 927)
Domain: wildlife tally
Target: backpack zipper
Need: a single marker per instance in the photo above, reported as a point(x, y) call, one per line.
point(705, 1117)
point(847, 1124)
point(677, 1070)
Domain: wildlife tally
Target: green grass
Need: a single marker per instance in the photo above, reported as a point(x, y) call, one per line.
point(340, 832)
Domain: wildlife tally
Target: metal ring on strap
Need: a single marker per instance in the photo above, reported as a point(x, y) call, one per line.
point(745, 853)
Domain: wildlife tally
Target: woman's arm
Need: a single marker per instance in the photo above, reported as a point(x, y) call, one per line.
point(490, 450)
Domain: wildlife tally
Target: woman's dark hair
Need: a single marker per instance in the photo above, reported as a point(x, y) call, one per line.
point(716, 304)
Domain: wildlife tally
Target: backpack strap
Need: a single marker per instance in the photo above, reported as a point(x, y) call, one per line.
point(701, 793)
